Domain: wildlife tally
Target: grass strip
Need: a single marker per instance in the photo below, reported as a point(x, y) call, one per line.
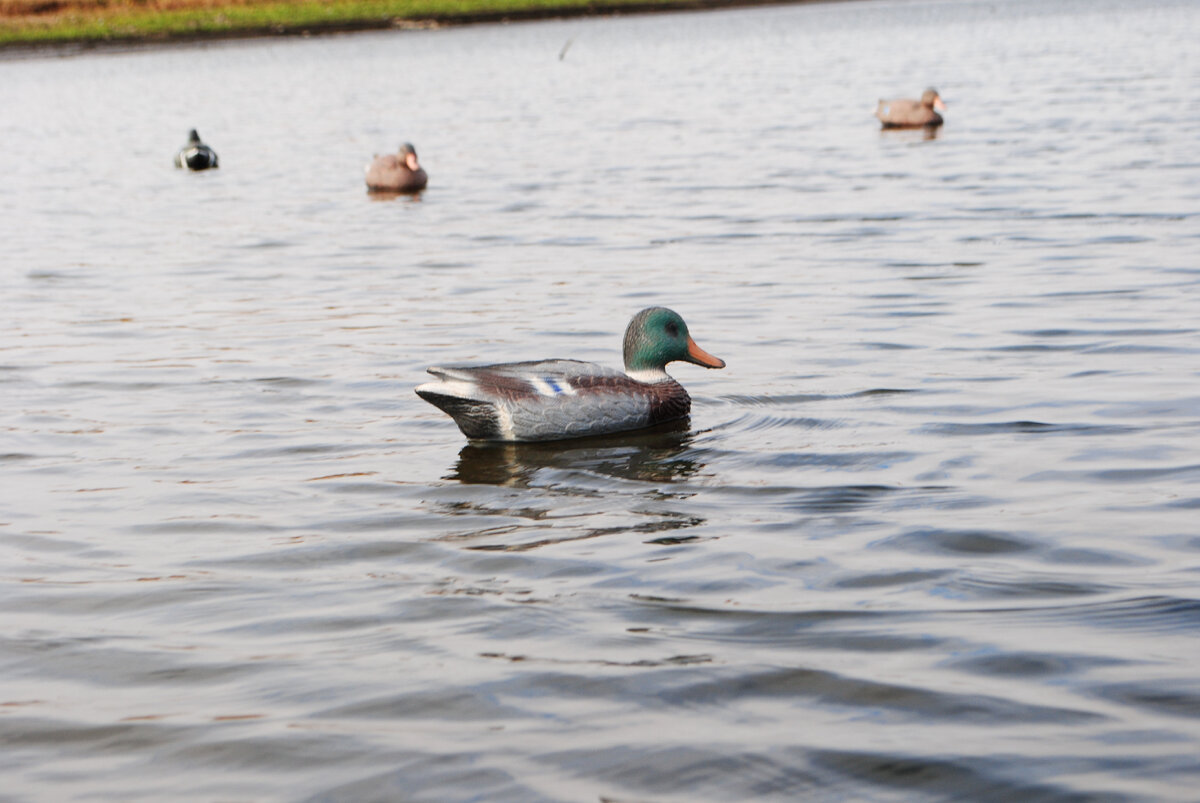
point(49, 22)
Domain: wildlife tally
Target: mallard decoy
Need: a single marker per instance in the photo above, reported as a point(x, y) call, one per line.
point(557, 399)
point(195, 155)
point(911, 113)
point(397, 172)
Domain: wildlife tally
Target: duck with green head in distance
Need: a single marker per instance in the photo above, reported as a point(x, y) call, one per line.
point(397, 172)
point(557, 399)
point(195, 155)
point(911, 113)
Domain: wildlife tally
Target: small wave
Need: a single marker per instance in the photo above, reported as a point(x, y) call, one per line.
point(1042, 347)
point(1184, 504)
point(880, 392)
point(759, 423)
point(841, 498)
point(268, 244)
point(766, 400)
point(1104, 332)
point(1119, 239)
point(294, 450)
point(887, 579)
point(834, 688)
point(958, 542)
point(1121, 475)
point(1026, 586)
point(1030, 664)
point(1093, 557)
point(96, 384)
point(1180, 698)
point(963, 777)
point(1129, 348)
point(1143, 614)
point(783, 399)
point(826, 460)
point(1024, 428)
point(282, 381)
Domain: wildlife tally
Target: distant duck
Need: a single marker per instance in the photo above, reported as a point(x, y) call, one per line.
point(911, 113)
point(557, 399)
point(195, 155)
point(397, 172)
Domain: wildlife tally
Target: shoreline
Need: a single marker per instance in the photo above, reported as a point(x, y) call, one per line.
point(79, 45)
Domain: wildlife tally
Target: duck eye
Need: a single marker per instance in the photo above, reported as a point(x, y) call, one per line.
point(672, 329)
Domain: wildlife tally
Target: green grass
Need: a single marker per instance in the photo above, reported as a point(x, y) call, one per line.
point(132, 22)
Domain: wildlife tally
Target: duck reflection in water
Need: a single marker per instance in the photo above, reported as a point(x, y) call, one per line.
point(925, 134)
point(378, 196)
point(649, 455)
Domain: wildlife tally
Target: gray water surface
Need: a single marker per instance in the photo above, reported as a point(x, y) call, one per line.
point(931, 535)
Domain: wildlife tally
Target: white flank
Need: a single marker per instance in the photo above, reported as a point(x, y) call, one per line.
point(649, 376)
point(506, 423)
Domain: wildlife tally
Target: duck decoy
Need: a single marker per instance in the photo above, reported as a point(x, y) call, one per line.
point(558, 399)
point(911, 113)
point(195, 155)
point(397, 172)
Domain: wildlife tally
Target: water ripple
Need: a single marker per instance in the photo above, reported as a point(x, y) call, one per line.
point(930, 535)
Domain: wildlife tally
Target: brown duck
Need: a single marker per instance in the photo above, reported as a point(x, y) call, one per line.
point(397, 172)
point(911, 113)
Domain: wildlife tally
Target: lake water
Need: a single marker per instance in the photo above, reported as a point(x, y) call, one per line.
point(933, 534)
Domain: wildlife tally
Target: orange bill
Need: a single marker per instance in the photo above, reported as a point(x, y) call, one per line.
point(702, 357)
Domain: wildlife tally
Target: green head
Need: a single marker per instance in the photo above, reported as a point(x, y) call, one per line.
point(657, 336)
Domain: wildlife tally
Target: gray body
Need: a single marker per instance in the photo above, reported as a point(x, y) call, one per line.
point(550, 400)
